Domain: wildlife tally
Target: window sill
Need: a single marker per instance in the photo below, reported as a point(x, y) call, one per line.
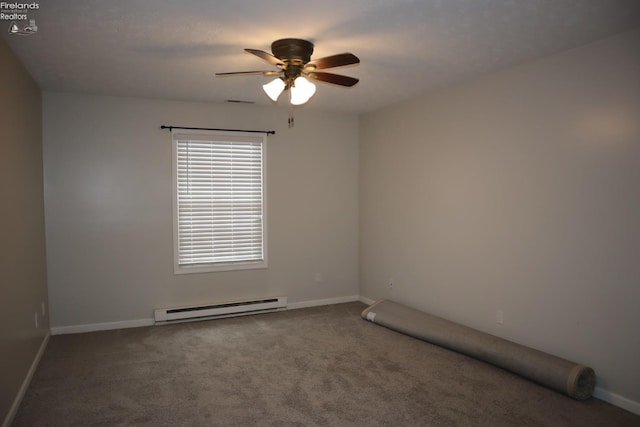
point(214, 268)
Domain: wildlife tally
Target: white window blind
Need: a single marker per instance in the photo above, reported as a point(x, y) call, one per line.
point(219, 201)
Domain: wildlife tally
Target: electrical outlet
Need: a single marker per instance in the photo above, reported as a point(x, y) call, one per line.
point(499, 317)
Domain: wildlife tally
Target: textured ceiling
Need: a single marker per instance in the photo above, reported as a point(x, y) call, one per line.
point(171, 49)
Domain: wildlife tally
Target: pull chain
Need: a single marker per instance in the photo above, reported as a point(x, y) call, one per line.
point(291, 118)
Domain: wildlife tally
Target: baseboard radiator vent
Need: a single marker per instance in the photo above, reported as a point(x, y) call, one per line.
point(216, 311)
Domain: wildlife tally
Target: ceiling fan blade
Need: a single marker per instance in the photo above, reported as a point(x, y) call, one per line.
point(266, 57)
point(339, 60)
point(335, 79)
point(249, 73)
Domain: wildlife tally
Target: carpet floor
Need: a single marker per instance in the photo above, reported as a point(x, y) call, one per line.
point(320, 366)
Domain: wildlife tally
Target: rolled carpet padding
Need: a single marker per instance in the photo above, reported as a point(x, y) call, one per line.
point(572, 379)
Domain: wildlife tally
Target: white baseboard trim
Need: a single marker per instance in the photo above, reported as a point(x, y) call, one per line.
point(617, 400)
point(366, 300)
point(93, 327)
point(319, 302)
point(25, 384)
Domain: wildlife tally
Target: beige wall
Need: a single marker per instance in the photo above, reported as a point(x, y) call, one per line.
point(108, 207)
point(517, 191)
point(23, 285)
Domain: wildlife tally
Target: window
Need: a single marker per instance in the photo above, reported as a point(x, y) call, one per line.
point(219, 201)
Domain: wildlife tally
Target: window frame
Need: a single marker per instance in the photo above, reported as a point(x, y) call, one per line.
point(217, 266)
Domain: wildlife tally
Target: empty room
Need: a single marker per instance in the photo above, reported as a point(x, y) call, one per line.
point(400, 213)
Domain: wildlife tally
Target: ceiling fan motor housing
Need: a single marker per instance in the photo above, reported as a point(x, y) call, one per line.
point(293, 51)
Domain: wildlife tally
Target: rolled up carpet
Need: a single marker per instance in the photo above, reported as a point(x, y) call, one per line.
point(572, 379)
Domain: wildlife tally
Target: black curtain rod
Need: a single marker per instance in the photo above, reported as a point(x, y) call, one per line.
point(268, 132)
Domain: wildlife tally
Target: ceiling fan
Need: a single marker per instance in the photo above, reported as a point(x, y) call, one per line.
point(292, 58)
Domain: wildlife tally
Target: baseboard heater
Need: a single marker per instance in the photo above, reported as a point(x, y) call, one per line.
point(220, 310)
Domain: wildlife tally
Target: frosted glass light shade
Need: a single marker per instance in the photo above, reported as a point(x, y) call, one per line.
point(301, 91)
point(274, 88)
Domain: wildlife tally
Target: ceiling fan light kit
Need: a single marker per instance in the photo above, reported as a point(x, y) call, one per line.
point(292, 58)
